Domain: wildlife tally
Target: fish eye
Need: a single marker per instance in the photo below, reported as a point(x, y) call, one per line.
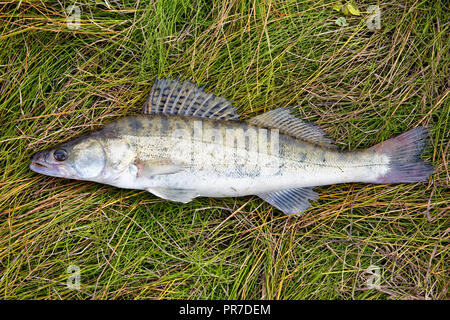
point(60, 155)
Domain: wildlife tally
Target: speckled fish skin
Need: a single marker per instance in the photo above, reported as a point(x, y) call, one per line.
point(218, 169)
point(179, 157)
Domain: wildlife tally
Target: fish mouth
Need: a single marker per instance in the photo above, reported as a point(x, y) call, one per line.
point(42, 168)
point(39, 165)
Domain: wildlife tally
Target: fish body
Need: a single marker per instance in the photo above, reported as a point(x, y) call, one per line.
point(190, 144)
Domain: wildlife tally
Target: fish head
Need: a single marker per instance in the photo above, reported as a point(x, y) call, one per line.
point(82, 159)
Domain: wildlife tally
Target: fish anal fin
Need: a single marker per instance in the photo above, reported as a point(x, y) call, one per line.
point(283, 120)
point(172, 97)
point(177, 195)
point(291, 201)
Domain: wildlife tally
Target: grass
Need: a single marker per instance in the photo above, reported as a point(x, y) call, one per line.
point(362, 87)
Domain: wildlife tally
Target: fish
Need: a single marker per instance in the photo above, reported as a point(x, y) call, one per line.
point(188, 143)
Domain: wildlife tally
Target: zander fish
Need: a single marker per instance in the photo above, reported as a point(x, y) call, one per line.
point(189, 143)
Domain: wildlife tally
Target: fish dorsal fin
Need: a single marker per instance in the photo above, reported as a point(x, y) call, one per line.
point(173, 97)
point(290, 201)
point(283, 120)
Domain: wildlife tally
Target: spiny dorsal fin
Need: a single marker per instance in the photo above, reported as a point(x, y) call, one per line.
point(283, 120)
point(186, 99)
point(290, 201)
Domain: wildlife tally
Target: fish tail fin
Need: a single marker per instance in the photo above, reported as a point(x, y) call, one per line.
point(403, 152)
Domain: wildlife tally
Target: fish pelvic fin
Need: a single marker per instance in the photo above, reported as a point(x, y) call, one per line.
point(403, 152)
point(176, 195)
point(291, 201)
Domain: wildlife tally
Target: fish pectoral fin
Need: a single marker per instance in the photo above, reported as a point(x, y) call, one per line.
point(290, 201)
point(177, 195)
point(149, 168)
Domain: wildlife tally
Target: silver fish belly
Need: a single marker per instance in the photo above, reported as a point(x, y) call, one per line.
point(189, 143)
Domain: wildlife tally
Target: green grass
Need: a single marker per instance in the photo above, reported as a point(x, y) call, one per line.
point(362, 87)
